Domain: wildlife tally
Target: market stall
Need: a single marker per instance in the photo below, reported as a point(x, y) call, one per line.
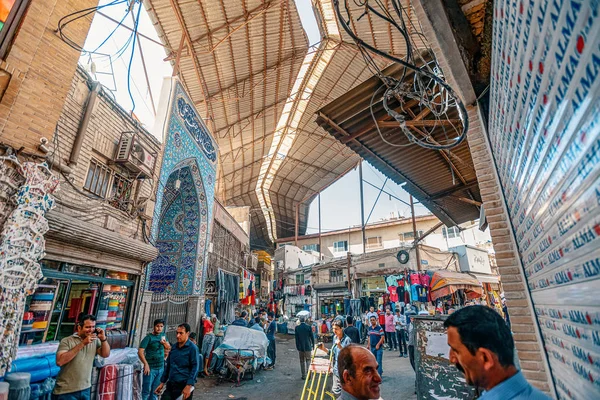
point(448, 283)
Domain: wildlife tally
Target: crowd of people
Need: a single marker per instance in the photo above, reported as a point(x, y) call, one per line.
point(481, 347)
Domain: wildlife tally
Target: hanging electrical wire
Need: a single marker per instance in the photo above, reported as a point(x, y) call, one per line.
point(64, 22)
point(424, 87)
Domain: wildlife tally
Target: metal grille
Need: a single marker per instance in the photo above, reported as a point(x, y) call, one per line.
point(172, 308)
point(98, 178)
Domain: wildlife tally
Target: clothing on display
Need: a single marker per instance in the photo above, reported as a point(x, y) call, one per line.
point(22, 247)
point(393, 293)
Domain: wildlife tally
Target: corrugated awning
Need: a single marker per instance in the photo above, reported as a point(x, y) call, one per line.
point(485, 278)
point(76, 232)
point(444, 283)
point(444, 181)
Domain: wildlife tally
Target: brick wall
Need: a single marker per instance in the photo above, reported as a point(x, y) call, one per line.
point(524, 326)
point(42, 68)
point(100, 141)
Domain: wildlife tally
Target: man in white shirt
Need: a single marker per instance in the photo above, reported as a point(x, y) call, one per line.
point(400, 324)
point(372, 313)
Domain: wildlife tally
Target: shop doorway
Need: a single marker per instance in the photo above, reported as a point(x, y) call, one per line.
point(171, 308)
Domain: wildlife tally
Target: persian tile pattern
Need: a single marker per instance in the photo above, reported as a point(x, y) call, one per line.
point(182, 218)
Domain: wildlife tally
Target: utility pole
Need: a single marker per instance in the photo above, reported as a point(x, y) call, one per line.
point(362, 208)
point(414, 224)
point(320, 226)
point(296, 225)
point(349, 255)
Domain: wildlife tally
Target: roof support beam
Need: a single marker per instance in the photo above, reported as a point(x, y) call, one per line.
point(440, 34)
point(247, 17)
point(400, 177)
point(423, 123)
point(452, 190)
point(244, 81)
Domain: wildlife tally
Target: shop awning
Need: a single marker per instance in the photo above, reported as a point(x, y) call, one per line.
point(485, 278)
point(445, 283)
point(73, 231)
point(330, 286)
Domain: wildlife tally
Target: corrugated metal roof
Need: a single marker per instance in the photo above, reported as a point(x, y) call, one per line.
point(239, 62)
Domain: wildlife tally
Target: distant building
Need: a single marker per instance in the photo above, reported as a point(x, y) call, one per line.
point(389, 234)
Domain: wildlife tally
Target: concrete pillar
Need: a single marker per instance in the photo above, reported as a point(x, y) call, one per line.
point(195, 311)
point(143, 322)
point(526, 333)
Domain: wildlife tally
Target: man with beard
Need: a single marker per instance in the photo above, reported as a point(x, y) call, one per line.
point(482, 348)
point(357, 368)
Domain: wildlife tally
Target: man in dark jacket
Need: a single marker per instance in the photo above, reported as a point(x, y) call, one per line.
point(305, 342)
point(351, 331)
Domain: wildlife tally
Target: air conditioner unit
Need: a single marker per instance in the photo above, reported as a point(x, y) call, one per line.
point(135, 155)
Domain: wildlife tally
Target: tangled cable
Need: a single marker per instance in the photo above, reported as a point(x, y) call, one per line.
point(427, 88)
point(64, 22)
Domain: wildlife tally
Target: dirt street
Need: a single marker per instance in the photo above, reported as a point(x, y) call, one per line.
point(284, 381)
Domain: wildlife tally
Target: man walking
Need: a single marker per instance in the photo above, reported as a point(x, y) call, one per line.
point(375, 341)
point(339, 342)
point(75, 357)
point(482, 348)
point(152, 354)
point(271, 350)
point(370, 314)
point(351, 331)
point(400, 325)
point(390, 330)
point(358, 374)
point(181, 368)
point(305, 343)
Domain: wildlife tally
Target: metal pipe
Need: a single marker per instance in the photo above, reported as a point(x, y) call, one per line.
point(320, 226)
point(416, 241)
point(89, 110)
point(362, 207)
point(296, 225)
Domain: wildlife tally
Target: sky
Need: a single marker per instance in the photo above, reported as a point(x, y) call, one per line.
point(340, 203)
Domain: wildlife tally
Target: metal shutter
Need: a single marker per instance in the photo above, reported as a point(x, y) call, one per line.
point(545, 135)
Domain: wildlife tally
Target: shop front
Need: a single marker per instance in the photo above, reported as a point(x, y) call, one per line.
point(86, 269)
point(331, 298)
point(66, 290)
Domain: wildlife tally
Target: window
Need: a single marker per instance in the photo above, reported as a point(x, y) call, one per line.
point(100, 178)
point(374, 242)
point(311, 247)
point(451, 233)
point(410, 236)
point(11, 13)
point(341, 246)
point(299, 279)
point(336, 275)
point(97, 179)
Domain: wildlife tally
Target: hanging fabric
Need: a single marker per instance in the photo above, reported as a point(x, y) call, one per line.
point(22, 246)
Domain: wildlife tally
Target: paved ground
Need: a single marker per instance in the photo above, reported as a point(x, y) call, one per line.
point(284, 381)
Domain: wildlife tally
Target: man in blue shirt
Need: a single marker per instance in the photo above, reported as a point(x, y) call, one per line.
point(375, 339)
point(482, 348)
point(307, 306)
point(241, 321)
point(271, 350)
point(181, 368)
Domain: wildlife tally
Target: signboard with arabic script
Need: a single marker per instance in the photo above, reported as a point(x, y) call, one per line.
point(545, 136)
